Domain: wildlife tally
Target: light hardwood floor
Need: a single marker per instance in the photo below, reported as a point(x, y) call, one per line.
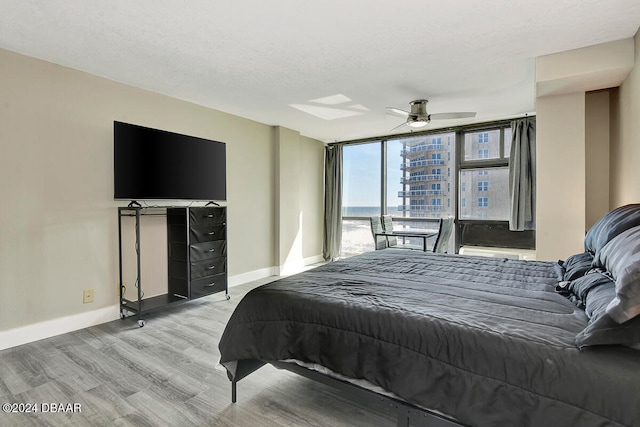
point(165, 374)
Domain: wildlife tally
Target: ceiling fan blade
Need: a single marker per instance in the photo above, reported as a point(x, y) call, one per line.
point(397, 112)
point(399, 126)
point(447, 116)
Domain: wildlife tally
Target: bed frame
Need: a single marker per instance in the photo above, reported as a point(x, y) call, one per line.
point(407, 414)
point(469, 340)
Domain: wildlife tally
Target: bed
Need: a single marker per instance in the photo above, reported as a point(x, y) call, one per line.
point(464, 340)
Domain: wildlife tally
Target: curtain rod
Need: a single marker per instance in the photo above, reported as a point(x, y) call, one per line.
point(464, 128)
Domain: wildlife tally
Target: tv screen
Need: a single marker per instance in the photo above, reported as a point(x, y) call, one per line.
point(152, 164)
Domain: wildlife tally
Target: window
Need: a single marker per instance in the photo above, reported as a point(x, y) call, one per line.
point(486, 158)
point(414, 169)
point(482, 145)
point(426, 204)
point(508, 134)
point(491, 191)
point(360, 195)
point(399, 185)
point(483, 154)
point(410, 177)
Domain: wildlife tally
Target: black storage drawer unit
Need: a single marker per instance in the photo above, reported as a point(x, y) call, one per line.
point(207, 216)
point(208, 267)
point(207, 250)
point(207, 233)
point(197, 239)
point(197, 252)
point(208, 285)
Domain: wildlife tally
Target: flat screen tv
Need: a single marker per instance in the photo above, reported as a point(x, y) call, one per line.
point(152, 164)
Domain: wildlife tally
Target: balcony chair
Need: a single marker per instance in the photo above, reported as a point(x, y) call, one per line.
point(445, 229)
point(380, 242)
point(441, 244)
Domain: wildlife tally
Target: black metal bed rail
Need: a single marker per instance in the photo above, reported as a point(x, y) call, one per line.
point(407, 413)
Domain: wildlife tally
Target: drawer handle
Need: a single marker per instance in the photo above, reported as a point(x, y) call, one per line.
point(209, 216)
point(210, 285)
point(212, 250)
point(211, 233)
point(213, 267)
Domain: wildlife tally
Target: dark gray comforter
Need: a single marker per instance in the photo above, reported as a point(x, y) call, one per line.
point(487, 341)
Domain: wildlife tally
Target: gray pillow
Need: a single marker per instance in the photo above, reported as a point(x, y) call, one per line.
point(610, 225)
point(589, 294)
point(621, 258)
point(597, 290)
point(577, 266)
point(605, 331)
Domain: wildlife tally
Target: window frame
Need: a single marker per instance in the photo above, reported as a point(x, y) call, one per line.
point(459, 165)
point(473, 231)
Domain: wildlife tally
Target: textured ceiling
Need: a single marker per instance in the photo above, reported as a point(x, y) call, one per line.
point(282, 62)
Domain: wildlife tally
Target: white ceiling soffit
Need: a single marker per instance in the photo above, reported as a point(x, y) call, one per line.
point(258, 59)
point(580, 70)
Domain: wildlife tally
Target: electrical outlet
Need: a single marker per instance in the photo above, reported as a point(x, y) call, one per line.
point(87, 296)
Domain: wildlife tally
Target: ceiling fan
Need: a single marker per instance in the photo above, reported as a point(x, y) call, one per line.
point(418, 116)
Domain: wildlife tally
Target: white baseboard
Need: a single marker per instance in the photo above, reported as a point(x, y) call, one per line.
point(281, 271)
point(250, 276)
point(313, 260)
point(51, 328)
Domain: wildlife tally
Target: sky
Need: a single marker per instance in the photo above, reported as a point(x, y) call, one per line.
point(361, 174)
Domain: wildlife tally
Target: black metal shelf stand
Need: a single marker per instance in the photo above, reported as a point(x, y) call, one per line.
point(187, 289)
point(140, 306)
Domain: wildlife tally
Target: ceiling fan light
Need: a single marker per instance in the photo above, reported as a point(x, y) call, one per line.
point(417, 123)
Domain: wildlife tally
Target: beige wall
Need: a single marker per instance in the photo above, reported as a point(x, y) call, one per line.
point(597, 147)
point(311, 196)
point(58, 220)
point(288, 242)
point(625, 138)
point(560, 195)
point(299, 161)
point(585, 155)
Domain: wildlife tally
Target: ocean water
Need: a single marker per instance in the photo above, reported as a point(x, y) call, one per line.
point(360, 210)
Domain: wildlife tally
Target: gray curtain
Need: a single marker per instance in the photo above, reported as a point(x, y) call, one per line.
point(332, 202)
point(522, 175)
